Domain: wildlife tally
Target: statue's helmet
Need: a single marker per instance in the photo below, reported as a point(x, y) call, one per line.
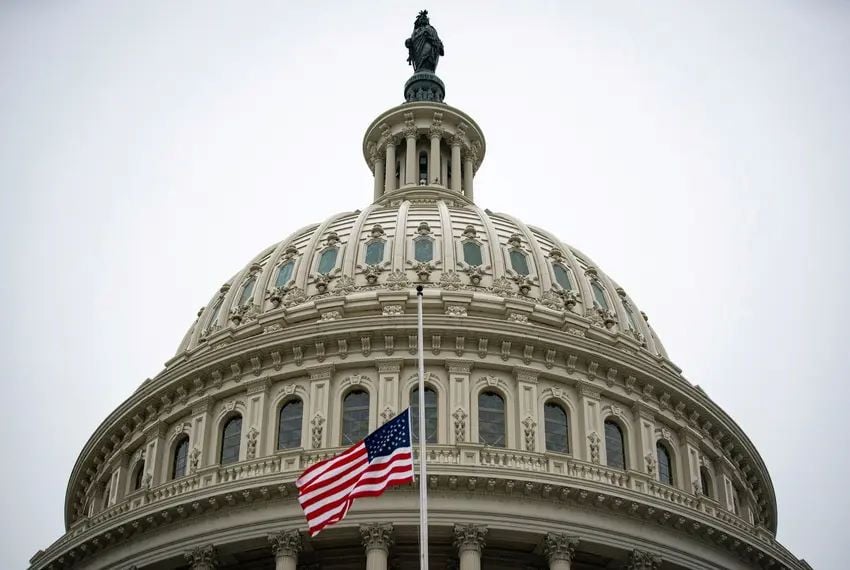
point(422, 19)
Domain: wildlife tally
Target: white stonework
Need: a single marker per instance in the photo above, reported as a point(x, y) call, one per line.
point(351, 325)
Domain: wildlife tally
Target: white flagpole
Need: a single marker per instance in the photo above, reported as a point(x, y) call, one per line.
point(423, 480)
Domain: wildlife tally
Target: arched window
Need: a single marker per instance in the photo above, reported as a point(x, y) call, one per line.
point(472, 253)
point(375, 253)
point(631, 316)
point(519, 262)
point(231, 439)
point(138, 475)
point(599, 295)
point(423, 167)
point(247, 290)
point(327, 261)
point(665, 465)
point(736, 502)
point(284, 274)
point(289, 425)
point(108, 489)
point(355, 417)
point(705, 482)
point(215, 311)
point(557, 428)
point(615, 446)
point(181, 456)
point(423, 249)
point(491, 419)
point(430, 414)
point(562, 276)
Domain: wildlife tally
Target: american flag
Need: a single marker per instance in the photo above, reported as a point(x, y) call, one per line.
point(327, 489)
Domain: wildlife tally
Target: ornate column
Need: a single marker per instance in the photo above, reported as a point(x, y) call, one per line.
point(457, 142)
point(389, 172)
point(377, 539)
point(376, 155)
point(526, 379)
point(459, 410)
point(469, 540)
point(202, 558)
point(641, 560)
point(646, 456)
point(559, 549)
point(592, 432)
point(286, 545)
point(436, 134)
point(468, 171)
point(320, 387)
point(388, 380)
point(410, 149)
point(254, 424)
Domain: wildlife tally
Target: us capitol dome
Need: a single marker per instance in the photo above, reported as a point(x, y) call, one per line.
point(560, 435)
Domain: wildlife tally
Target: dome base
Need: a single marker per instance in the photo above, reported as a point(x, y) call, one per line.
point(424, 86)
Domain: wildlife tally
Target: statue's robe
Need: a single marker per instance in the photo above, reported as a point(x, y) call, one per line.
point(425, 49)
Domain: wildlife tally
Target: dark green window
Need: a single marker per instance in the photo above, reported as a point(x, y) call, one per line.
point(557, 428)
point(615, 448)
point(181, 455)
point(138, 475)
point(423, 249)
point(374, 253)
point(247, 290)
point(472, 253)
point(430, 415)
point(231, 438)
point(705, 481)
point(327, 261)
point(599, 295)
point(289, 425)
point(491, 419)
point(665, 465)
point(562, 276)
point(284, 274)
point(519, 262)
point(355, 417)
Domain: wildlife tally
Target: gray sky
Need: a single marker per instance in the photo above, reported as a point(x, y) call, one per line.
point(698, 152)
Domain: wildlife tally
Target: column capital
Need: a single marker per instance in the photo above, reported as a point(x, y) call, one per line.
point(641, 560)
point(377, 536)
point(285, 543)
point(469, 537)
point(559, 546)
point(202, 558)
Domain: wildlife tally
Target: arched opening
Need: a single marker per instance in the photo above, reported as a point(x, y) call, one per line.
point(431, 421)
point(615, 445)
point(231, 440)
point(289, 424)
point(557, 429)
point(491, 419)
point(181, 457)
point(138, 475)
point(665, 464)
point(705, 482)
point(423, 167)
point(247, 290)
point(599, 295)
point(355, 417)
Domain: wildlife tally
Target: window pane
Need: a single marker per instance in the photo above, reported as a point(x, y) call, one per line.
point(562, 276)
point(247, 291)
point(284, 274)
point(289, 427)
point(472, 253)
point(181, 453)
point(215, 311)
point(355, 417)
point(631, 317)
point(423, 249)
point(519, 262)
point(423, 166)
point(328, 260)
point(491, 419)
point(665, 469)
point(557, 430)
point(374, 253)
point(705, 480)
point(230, 440)
point(599, 295)
point(430, 415)
point(139, 475)
point(615, 450)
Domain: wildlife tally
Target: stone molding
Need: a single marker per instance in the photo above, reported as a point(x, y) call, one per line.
point(641, 560)
point(469, 537)
point(559, 546)
point(202, 558)
point(286, 543)
point(377, 536)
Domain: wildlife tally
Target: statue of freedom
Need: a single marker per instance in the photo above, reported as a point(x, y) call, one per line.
point(424, 46)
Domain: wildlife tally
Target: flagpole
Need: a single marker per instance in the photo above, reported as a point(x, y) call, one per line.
point(423, 480)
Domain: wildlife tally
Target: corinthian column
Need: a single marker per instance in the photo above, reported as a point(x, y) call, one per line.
point(468, 171)
point(410, 133)
point(389, 173)
point(202, 558)
point(286, 545)
point(559, 550)
point(457, 141)
point(469, 540)
point(641, 560)
point(377, 539)
point(377, 157)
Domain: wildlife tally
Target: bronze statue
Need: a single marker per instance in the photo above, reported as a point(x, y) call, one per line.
point(424, 46)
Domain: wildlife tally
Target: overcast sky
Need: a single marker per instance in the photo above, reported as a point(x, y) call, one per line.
point(697, 151)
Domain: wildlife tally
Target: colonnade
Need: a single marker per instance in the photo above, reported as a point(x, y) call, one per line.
point(469, 539)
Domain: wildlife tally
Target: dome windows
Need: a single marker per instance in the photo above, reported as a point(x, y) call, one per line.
point(231, 440)
point(665, 464)
point(557, 428)
point(491, 419)
point(355, 417)
point(180, 458)
point(615, 446)
point(519, 262)
point(472, 253)
point(375, 253)
point(284, 274)
point(327, 261)
point(289, 424)
point(562, 276)
point(599, 296)
point(430, 414)
point(247, 290)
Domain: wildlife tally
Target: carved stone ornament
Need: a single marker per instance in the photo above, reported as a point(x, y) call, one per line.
point(387, 414)
point(397, 281)
point(295, 296)
point(276, 295)
point(558, 546)
point(594, 440)
point(194, 459)
point(524, 284)
point(450, 281)
point(641, 560)
point(553, 300)
point(469, 537)
point(244, 313)
point(528, 431)
point(318, 423)
point(202, 558)
point(469, 232)
point(286, 544)
point(600, 317)
point(253, 435)
point(371, 272)
point(518, 318)
point(456, 311)
point(475, 274)
point(377, 536)
point(460, 424)
point(330, 316)
point(344, 285)
point(392, 310)
point(503, 287)
point(650, 464)
point(332, 239)
point(424, 229)
point(423, 270)
point(515, 240)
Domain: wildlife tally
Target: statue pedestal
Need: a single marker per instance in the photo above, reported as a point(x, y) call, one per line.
point(424, 86)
